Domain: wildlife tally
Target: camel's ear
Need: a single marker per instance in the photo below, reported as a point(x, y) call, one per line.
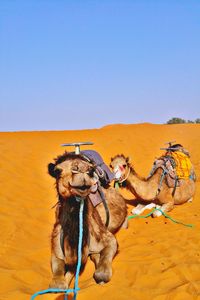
point(111, 160)
point(128, 159)
point(53, 170)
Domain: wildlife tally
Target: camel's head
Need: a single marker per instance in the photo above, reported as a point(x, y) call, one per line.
point(74, 176)
point(120, 166)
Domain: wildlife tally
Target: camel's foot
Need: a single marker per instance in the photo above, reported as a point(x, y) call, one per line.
point(140, 208)
point(58, 283)
point(190, 200)
point(102, 274)
point(157, 213)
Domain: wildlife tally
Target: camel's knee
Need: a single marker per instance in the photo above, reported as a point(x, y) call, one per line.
point(168, 206)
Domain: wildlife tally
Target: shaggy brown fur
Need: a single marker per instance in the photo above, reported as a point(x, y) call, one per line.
point(76, 177)
point(146, 189)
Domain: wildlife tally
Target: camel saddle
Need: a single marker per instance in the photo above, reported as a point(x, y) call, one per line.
point(102, 170)
point(176, 167)
point(105, 177)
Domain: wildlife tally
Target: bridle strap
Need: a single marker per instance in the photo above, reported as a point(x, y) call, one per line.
point(105, 205)
point(125, 178)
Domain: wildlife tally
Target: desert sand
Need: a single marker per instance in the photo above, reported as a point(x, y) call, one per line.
point(157, 258)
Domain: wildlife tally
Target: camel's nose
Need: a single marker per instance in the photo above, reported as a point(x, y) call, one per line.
point(117, 172)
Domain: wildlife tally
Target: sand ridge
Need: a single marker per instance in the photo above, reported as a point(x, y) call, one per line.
point(157, 259)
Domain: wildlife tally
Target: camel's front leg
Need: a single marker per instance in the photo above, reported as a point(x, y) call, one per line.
point(60, 279)
point(103, 272)
point(58, 270)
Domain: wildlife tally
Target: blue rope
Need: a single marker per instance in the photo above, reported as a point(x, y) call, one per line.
point(80, 240)
point(68, 291)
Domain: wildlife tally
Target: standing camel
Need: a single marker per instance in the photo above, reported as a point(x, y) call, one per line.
point(149, 190)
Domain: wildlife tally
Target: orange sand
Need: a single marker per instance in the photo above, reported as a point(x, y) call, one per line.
point(157, 259)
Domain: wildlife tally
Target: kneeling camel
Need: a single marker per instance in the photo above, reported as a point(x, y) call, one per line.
point(147, 189)
point(76, 178)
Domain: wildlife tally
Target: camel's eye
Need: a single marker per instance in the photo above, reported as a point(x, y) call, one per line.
point(124, 166)
point(91, 172)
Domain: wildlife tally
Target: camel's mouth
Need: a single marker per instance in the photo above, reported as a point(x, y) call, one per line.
point(80, 187)
point(83, 189)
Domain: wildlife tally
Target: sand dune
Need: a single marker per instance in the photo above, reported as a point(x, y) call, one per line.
point(157, 259)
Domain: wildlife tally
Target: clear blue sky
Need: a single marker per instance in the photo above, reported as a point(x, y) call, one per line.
point(83, 64)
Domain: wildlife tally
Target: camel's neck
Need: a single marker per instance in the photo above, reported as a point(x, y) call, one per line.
point(69, 220)
point(143, 188)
